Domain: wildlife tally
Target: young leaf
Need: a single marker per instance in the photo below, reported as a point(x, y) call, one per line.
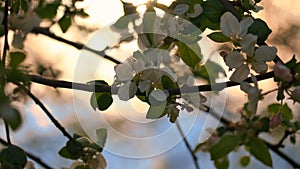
point(224, 146)
point(104, 100)
point(260, 151)
point(222, 163)
point(213, 10)
point(218, 37)
point(13, 157)
point(10, 115)
point(64, 23)
point(156, 111)
point(191, 54)
point(101, 136)
point(16, 58)
point(244, 161)
point(260, 29)
point(167, 82)
point(49, 11)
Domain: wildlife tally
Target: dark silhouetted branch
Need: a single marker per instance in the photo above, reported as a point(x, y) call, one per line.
point(42, 106)
point(195, 159)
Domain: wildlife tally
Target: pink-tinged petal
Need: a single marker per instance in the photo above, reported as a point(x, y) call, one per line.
point(265, 53)
point(234, 60)
point(296, 94)
point(229, 25)
point(259, 67)
point(283, 72)
point(248, 44)
point(240, 74)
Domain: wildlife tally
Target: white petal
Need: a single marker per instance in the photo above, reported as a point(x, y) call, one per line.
point(158, 95)
point(240, 74)
point(197, 11)
point(229, 25)
point(127, 91)
point(143, 86)
point(181, 9)
point(234, 60)
point(244, 25)
point(252, 106)
point(253, 94)
point(259, 67)
point(139, 65)
point(248, 44)
point(265, 53)
point(124, 72)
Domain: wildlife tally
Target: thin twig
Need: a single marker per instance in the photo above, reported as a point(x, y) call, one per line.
point(42, 106)
point(195, 160)
point(5, 27)
point(46, 32)
point(33, 157)
point(7, 133)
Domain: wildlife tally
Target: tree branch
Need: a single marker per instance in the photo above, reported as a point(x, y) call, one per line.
point(175, 91)
point(33, 157)
point(46, 32)
point(7, 133)
point(5, 27)
point(195, 160)
point(42, 106)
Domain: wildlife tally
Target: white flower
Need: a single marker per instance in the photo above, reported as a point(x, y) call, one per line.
point(181, 9)
point(253, 95)
point(236, 60)
point(283, 72)
point(232, 28)
point(127, 91)
point(124, 72)
point(296, 94)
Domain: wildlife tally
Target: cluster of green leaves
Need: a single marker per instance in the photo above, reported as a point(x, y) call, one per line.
point(48, 10)
point(88, 152)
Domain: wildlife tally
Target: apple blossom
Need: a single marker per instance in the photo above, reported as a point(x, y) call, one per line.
point(253, 94)
point(296, 94)
point(283, 72)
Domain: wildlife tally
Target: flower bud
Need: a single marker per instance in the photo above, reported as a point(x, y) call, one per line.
point(296, 94)
point(275, 120)
point(283, 72)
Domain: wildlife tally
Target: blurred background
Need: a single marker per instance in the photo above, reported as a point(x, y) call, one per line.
point(39, 136)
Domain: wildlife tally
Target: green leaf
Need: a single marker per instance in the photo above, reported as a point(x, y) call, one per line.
point(213, 10)
point(101, 136)
point(247, 4)
point(224, 146)
point(13, 157)
point(210, 71)
point(218, 37)
point(104, 100)
point(260, 29)
point(244, 161)
point(66, 154)
point(156, 111)
point(64, 23)
point(191, 54)
point(291, 63)
point(286, 112)
point(168, 83)
point(49, 11)
point(198, 147)
point(260, 151)
point(16, 58)
point(10, 115)
point(122, 22)
point(222, 163)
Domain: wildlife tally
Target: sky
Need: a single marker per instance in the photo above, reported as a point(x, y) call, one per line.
point(72, 107)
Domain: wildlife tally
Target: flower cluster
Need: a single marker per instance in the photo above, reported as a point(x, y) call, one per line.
point(245, 54)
